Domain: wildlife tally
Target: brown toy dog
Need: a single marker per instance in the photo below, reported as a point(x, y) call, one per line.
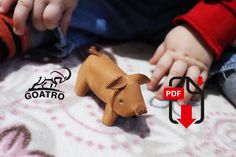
point(120, 92)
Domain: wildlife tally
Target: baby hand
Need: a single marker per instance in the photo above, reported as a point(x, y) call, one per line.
point(181, 54)
point(46, 14)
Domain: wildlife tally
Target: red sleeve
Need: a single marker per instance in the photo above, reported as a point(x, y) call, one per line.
point(214, 21)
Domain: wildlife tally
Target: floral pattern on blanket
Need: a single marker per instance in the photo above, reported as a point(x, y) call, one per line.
point(14, 142)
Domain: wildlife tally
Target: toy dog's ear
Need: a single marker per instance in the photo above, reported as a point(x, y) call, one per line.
point(140, 78)
point(117, 83)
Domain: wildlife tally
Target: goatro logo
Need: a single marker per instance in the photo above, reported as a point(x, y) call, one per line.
point(46, 86)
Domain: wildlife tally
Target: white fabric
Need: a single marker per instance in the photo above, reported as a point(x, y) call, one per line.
point(73, 127)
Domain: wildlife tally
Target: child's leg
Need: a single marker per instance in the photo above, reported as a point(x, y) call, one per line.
point(225, 70)
point(228, 85)
point(37, 39)
point(123, 20)
point(111, 20)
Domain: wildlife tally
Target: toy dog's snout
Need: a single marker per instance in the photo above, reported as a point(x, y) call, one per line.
point(140, 110)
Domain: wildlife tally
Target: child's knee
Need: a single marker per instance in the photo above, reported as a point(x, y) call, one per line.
point(228, 85)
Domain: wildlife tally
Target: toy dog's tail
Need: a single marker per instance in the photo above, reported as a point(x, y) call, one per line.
point(93, 51)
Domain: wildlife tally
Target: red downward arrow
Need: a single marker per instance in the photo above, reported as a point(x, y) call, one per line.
point(200, 81)
point(186, 116)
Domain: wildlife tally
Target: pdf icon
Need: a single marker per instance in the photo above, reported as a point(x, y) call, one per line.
point(175, 94)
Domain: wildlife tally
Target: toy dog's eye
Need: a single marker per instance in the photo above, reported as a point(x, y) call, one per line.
point(121, 101)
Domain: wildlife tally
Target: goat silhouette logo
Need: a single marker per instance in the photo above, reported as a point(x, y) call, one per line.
point(46, 87)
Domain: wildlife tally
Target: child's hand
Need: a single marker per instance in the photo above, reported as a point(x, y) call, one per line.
point(46, 14)
point(181, 53)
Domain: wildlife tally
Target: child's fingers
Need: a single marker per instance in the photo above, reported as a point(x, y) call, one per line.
point(52, 15)
point(157, 55)
point(65, 21)
point(161, 69)
point(37, 16)
point(193, 73)
point(178, 69)
point(6, 5)
point(21, 14)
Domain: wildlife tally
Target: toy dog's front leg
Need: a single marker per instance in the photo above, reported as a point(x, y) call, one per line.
point(81, 86)
point(109, 116)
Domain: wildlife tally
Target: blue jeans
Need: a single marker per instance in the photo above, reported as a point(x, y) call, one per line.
point(119, 20)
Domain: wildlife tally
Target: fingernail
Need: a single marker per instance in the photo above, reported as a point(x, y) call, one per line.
point(17, 31)
point(181, 102)
point(14, 29)
point(159, 96)
point(151, 61)
point(149, 86)
point(1, 9)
